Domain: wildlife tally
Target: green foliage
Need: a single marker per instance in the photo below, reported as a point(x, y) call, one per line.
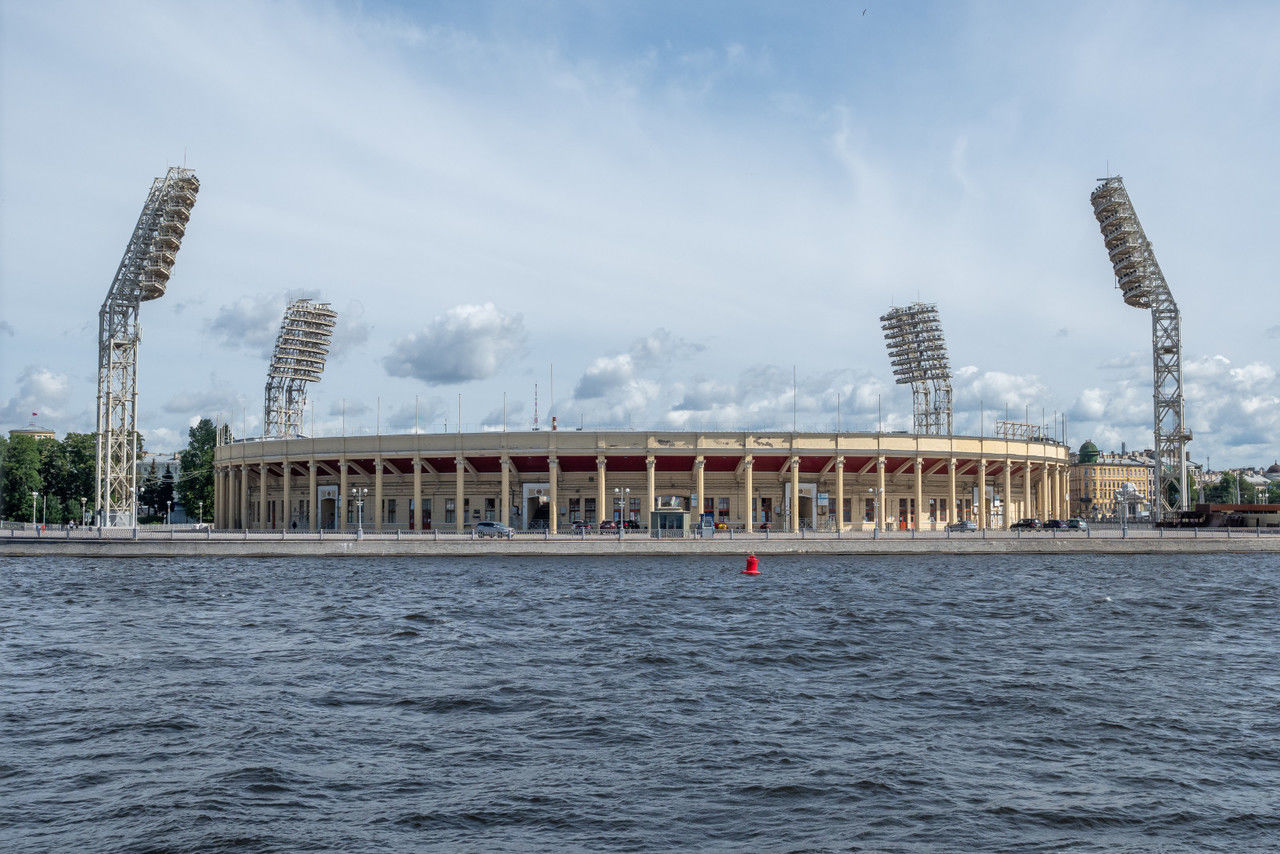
point(1273, 492)
point(196, 485)
point(20, 476)
point(1222, 492)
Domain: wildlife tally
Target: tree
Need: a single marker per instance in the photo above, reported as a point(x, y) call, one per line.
point(1222, 492)
point(149, 489)
point(164, 496)
point(1273, 492)
point(20, 476)
point(196, 485)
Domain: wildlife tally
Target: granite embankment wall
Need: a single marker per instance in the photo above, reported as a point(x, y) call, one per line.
point(86, 544)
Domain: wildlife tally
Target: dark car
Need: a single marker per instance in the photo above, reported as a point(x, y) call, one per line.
point(631, 525)
point(1025, 525)
point(1077, 525)
point(764, 526)
point(1055, 525)
point(965, 527)
point(581, 527)
point(608, 525)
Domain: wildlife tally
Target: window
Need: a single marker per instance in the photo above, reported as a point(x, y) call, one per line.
point(575, 509)
point(869, 511)
point(722, 510)
point(490, 509)
point(933, 509)
point(589, 511)
point(389, 510)
point(450, 511)
point(847, 511)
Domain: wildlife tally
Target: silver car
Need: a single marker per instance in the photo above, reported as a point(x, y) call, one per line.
point(494, 529)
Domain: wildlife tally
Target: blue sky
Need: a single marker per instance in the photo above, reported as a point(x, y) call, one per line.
point(673, 204)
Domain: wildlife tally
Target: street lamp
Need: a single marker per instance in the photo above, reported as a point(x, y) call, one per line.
point(202, 512)
point(358, 493)
point(34, 495)
point(875, 511)
point(622, 495)
point(82, 519)
point(168, 512)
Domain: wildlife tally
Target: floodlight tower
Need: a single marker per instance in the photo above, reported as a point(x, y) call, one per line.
point(1140, 280)
point(918, 353)
point(142, 275)
point(301, 348)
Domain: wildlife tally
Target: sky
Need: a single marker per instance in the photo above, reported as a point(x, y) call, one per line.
point(662, 215)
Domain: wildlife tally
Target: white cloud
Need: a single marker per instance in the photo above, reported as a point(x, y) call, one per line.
point(42, 396)
point(467, 342)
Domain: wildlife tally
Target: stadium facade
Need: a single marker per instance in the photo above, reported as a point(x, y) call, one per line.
point(550, 480)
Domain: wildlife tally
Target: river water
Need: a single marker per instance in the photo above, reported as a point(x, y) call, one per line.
point(949, 703)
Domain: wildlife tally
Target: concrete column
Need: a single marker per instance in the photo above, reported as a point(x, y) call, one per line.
point(1064, 496)
point(287, 516)
point(1006, 497)
point(1044, 492)
point(504, 501)
point(649, 464)
point(375, 517)
point(459, 495)
point(340, 511)
point(1026, 491)
point(918, 478)
point(747, 488)
point(553, 476)
point(262, 495)
point(699, 467)
point(840, 494)
point(417, 492)
point(313, 506)
point(984, 512)
point(601, 493)
point(217, 497)
point(953, 513)
point(244, 495)
point(795, 495)
point(881, 498)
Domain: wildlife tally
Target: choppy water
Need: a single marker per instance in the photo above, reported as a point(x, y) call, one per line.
point(885, 704)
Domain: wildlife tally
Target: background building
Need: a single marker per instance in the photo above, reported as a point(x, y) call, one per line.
point(1095, 476)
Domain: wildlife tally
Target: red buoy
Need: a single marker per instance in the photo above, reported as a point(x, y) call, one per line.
point(751, 566)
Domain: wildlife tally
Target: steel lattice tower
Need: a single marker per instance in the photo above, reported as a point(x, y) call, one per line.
point(1139, 278)
point(918, 354)
point(301, 348)
point(142, 275)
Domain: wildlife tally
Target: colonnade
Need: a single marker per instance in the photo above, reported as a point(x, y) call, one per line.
point(1042, 486)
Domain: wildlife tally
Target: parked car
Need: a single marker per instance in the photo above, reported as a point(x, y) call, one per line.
point(764, 526)
point(1025, 525)
point(608, 525)
point(1054, 525)
point(631, 525)
point(581, 527)
point(1077, 525)
point(964, 527)
point(494, 529)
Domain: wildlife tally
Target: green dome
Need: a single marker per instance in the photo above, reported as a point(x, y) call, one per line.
point(1088, 453)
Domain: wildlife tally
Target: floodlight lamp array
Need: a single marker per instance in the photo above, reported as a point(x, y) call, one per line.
point(302, 346)
point(917, 347)
point(1138, 275)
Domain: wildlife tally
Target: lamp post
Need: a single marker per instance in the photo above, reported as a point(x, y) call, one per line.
point(622, 495)
point(874, 492)
point(202, 512)
point(34, 495)
point(168, 512)
point(82, 520)
point(358, 493)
